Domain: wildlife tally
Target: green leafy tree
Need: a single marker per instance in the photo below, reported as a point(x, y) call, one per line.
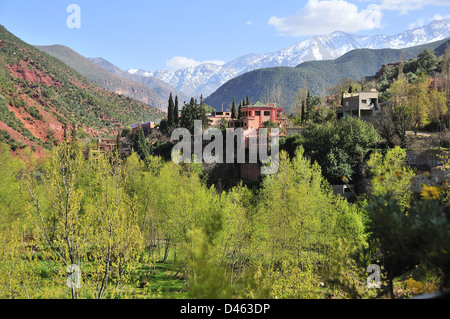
point(419, 102)
point(223, 124)
point(390, 173)
point(116, 237)
point(404, 240)
point(339, 147)
point(55, 209)
point(298, 225)
point(11, 203)
point(438, 106)
point(206, 280)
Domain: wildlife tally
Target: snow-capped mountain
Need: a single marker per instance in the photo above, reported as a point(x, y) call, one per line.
point(195, 80)
point(206, 78)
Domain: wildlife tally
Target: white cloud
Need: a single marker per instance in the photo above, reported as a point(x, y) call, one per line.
point(249, 22)
point(404, 6)
point(321, 17)
point(439, 17)
point(422, 21)
point(416, 24)
point(181, 62)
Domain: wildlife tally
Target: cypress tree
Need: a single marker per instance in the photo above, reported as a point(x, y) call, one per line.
point(233, 109)
point(170, 119)
point(247, 100)
point(140, 144)
point(308, 106)
point(239, 110)
point(175, 112)
point(303, 113)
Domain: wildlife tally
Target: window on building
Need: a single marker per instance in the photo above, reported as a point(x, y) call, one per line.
point(266, 113)
point(346, 103)
point(364, 101)
point(257, 113)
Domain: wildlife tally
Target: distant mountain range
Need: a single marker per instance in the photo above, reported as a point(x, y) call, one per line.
point(151, 91)
point(206, 78)
point(281, 84)
point(160, 87)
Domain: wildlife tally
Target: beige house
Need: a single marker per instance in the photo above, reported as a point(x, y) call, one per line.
point(215, 118)
point(362, 104)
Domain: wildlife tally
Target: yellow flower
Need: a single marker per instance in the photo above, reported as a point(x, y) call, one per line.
point(430, 192)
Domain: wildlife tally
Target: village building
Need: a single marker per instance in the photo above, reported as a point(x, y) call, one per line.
point(215, 118)
point(255, 116)
point(146, 127)
point(363, 105)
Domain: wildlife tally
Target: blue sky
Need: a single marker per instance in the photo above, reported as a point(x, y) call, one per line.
point(157, 34)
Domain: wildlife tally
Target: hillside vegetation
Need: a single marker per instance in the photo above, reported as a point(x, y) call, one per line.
point(106, 80)
point(40, 95)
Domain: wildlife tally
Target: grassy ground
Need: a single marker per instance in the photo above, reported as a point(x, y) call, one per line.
point(150, 281)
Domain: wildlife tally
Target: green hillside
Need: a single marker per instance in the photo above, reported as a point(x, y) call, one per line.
point(281, 84)
point(40, 95)
point(106, 80)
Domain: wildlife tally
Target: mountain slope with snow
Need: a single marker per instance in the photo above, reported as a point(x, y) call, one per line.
point(206, 78)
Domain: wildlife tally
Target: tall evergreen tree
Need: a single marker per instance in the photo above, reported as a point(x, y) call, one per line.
point(176, 118)
point(247, 100)
point(140, 144)
point(303, 113)
point(427, 61)
point(233, 109)
point(170, 111)
point(239, 110)
point(191, 112)
point(309, 109)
